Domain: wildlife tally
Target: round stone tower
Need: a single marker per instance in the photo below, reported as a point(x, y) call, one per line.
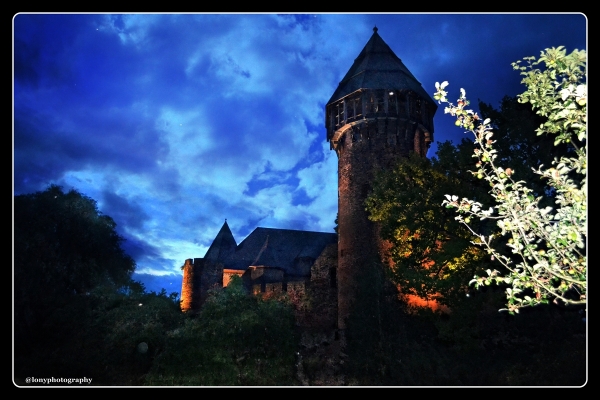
point(378, 114)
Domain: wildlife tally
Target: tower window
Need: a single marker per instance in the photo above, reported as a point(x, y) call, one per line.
point(332, 118)
point(392, 104)
point(380, 107)
point(372, 106)
point(339, 120)
point(401, 104)
point(357, 107)
point(350, 108)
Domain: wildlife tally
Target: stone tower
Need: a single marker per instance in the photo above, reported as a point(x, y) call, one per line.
point(202, 274)
point(378, 114)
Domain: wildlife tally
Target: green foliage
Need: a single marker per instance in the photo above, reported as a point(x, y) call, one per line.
point(336, 222)
point(237, 339)
point(123, 326)
point(559, 92)
point(432, 253)
point(521, 149)
point(548, 259)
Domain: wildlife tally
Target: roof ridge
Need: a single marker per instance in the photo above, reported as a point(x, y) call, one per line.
point(291, 230)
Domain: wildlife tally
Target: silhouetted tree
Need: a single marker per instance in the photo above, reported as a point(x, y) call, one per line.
point(65, 249)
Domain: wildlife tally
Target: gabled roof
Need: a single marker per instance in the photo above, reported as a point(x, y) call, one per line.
point(223, 245)
point(282, 248)
point(377, 67)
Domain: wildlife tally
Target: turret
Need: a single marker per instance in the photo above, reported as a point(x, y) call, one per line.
point(378, 114)
point(202, 274)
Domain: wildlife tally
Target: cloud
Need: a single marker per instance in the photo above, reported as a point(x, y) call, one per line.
point(319, 182)
point(174, 122)
point(129, 213)
point(132, 29)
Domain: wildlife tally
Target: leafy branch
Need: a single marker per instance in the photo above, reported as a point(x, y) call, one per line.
point(548, 244)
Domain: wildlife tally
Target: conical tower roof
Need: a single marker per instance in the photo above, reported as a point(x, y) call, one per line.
point(377, 67)
point(222, 246)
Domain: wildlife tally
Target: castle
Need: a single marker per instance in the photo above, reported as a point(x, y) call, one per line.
point(268, 261)
point(378, 114)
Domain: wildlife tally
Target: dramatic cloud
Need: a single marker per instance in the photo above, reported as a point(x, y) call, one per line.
point(176, 122)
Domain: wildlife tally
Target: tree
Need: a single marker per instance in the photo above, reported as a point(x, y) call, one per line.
point(64, 247)
point(237, 339)
point(431, 253)
point(518, 145)
point(64, 251)
point(125, 333)
point(69, 239)
point(548, 259)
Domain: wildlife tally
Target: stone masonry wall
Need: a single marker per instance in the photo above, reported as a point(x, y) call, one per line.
point(190, 287)
point(321, 314)
point(363, 149)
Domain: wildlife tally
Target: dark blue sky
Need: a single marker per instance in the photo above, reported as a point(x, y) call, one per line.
point(175, 122)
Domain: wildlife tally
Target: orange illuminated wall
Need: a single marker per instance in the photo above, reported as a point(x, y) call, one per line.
point(229, 273)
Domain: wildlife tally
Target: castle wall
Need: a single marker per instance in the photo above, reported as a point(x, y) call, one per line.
point(229, 273)
point(211, 277)
point(322, 293)
point(191, 284)
point(365, 147)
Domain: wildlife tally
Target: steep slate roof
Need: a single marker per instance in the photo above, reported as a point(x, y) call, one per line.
point(377, 67)
point(223, 245)
point(278, 248)
point(266, 256)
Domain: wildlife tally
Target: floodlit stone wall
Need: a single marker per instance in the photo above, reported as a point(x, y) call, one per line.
point(365, 146)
